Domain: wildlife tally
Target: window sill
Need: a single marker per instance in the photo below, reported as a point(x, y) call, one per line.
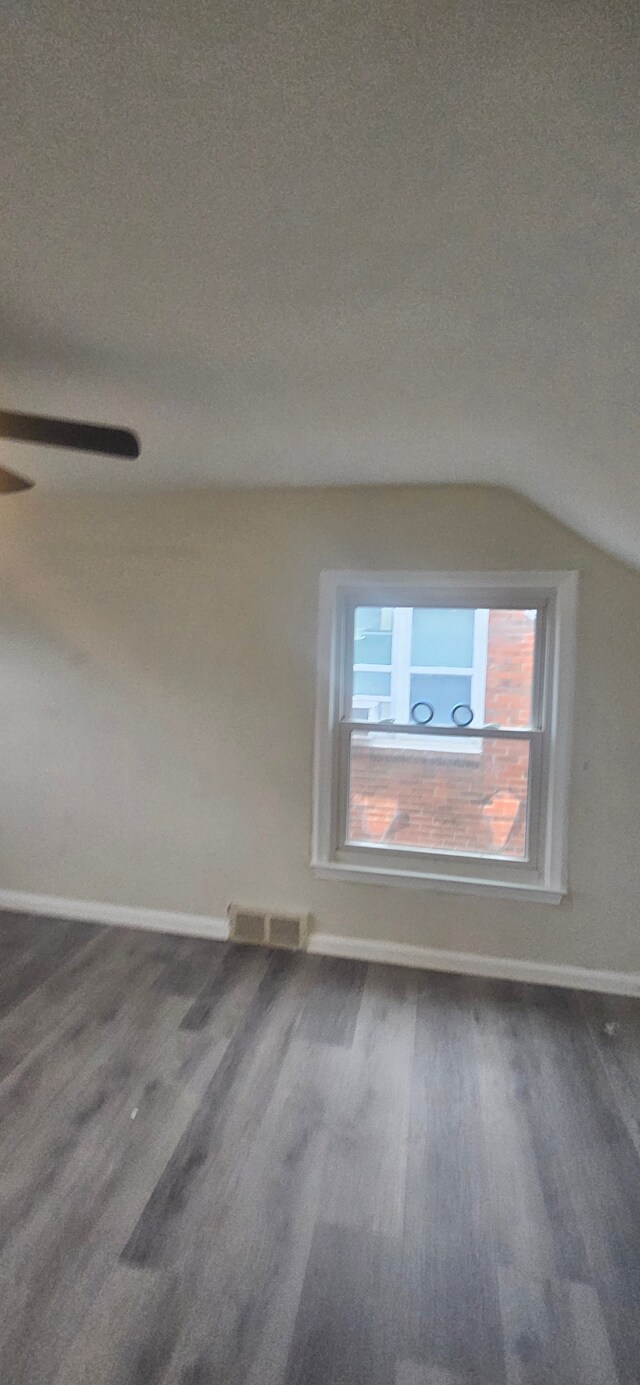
point(377, 875)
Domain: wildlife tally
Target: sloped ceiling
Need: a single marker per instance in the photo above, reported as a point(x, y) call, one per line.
point(313, 241)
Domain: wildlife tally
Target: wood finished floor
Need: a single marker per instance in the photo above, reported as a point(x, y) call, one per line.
point(233, 1167)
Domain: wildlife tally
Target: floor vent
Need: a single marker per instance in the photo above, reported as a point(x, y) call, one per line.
point(246, 925)
point(271, 930)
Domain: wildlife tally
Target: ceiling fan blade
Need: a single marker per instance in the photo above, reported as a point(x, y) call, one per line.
point(62, 432)
point(10, 482)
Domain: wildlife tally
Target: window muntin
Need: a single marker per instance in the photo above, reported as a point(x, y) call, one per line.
point(513, 832)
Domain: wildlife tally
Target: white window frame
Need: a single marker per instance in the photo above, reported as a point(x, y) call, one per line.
point(543, 874)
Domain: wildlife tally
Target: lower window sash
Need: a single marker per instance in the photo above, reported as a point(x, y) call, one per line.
point(427, 811)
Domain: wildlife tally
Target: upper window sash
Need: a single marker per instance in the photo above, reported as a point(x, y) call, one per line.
point(400, 697)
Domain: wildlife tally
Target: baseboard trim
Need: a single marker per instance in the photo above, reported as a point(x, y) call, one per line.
point(122, 915)
point(475, 964)
point(332, 944)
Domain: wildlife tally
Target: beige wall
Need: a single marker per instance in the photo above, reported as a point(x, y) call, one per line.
point(157, 699)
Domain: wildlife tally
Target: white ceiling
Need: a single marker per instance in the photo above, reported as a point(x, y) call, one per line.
point(318, 241)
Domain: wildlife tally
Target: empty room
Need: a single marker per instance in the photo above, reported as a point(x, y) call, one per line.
point(319, 685)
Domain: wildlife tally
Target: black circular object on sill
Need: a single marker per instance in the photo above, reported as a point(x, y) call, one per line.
point(423, 721)
point(462, 721)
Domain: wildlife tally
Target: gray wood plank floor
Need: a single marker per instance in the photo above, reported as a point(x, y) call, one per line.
point(223, 1166)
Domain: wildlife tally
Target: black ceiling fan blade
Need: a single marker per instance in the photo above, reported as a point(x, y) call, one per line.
point(9, 482)
point(63, 432)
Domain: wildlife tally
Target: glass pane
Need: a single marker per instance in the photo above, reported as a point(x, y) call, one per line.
point(443, 690)
point(372, 618)
point(372, 684)
point(442, 637)
point(509, 679)
point(372, 647)
point(429, 798)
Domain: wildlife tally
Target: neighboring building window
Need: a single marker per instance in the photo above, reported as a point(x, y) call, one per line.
point(443, 728)
point(415, 663)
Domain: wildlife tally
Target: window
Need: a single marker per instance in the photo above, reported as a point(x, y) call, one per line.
point(442, 737)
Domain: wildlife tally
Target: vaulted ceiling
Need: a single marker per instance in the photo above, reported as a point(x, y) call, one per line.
point(310, 241)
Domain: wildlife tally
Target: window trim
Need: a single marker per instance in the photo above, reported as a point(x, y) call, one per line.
point(555, 594)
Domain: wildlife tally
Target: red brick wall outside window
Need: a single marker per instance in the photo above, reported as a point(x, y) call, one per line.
point(466, 802)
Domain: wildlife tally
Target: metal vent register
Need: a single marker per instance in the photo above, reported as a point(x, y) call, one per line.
point(262, 928)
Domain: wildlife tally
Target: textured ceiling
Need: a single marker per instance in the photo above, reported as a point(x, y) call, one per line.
point(308, 242)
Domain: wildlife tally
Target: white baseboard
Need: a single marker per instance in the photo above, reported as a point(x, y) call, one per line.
point(333, 944)
point(159, 920)
point(475, 964)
